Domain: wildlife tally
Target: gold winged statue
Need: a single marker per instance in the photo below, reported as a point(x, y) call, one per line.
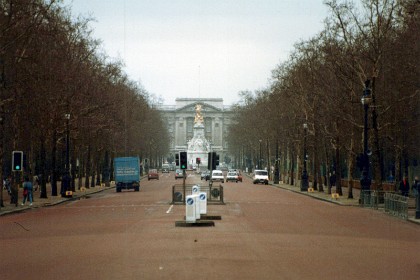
point(198, 116)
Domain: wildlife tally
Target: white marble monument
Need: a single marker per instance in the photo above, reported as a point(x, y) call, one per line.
point(198, 146)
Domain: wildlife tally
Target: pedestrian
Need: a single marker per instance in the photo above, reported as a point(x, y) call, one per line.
point(416, 186)
point(404, 186)
point(36, 183)
point(333, 179)
point(27, 191)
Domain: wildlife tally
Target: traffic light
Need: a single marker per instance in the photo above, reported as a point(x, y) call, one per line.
point(217, 160)
point(17, 160)
point(183, 160)
point(198, 160)
point(177, 159)
point(209, 161)
point(213, 160)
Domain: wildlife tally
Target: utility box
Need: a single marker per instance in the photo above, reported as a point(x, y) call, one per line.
point(191, 208)
point(202, 201)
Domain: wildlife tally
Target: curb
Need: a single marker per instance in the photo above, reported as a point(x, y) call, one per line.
point(313, 196)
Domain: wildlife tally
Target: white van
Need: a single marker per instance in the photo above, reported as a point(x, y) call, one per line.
point(165, 168)
point(217, 175)
point(260, 176)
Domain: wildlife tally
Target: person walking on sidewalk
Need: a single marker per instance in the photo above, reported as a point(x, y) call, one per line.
point(36, 183)
point(416, 186)
point(27, 188)
point(405, 186)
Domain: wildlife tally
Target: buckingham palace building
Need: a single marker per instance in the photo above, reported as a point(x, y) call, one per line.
point(180, 121)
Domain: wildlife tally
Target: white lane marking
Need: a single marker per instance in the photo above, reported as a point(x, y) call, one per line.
point(169, 210)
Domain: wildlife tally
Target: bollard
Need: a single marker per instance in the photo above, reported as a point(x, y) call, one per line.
point(190, 209)
point(197, 206)
point(203, 203)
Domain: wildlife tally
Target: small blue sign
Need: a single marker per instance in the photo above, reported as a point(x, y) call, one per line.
point(190, 201)
point(202, 196)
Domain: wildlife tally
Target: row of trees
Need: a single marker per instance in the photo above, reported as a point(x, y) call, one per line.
point(321, 85)
point(54, 80)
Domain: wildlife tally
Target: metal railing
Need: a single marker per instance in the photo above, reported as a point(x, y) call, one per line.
point(214, 193)
point(396, 205)
point(371, 199)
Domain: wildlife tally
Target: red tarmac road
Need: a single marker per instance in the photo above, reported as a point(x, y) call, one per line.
point(265, 233)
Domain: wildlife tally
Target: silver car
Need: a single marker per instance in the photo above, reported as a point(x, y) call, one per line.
point(217, 175)
point(179, 173)
point(232, 176)
point(205, 175)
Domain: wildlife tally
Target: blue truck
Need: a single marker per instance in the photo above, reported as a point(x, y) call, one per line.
point(127, 173)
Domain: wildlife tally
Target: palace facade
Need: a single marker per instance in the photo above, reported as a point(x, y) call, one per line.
point(180, 121)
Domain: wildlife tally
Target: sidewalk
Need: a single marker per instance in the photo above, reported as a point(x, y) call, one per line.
point(341, 200)
point(45, 202)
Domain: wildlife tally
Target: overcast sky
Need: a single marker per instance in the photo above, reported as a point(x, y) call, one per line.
point(201, 48)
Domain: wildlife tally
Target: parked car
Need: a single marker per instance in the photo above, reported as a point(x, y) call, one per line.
point(179, 174)
point(232, 176)
point(217, 175)
point(260, 176)
point(153, 174)
point(205, 175)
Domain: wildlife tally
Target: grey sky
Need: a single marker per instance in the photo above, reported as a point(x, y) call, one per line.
point(201, 48)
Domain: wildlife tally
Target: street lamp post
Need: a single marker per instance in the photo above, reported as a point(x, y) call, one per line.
point(259, 161)
point(366, 99)
point(305, 183)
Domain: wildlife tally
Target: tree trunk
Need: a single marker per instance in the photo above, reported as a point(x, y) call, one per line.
point(292, 170)
point(54, 165)
point(98, 169)
point(338, 169)
point(1, 153)
point(317, 167)
point(43, 169)
point(92, 182)
point(93, 170)
point(105, 170)
point(350, 166)
point(328, 171)
point(87, 168)
point(111, 170)
point(398, 169)
point(73, 168)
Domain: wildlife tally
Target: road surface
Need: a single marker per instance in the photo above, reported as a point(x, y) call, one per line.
point(265, 233)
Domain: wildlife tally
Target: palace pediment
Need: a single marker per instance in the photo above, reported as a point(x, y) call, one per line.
point(205, 108)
